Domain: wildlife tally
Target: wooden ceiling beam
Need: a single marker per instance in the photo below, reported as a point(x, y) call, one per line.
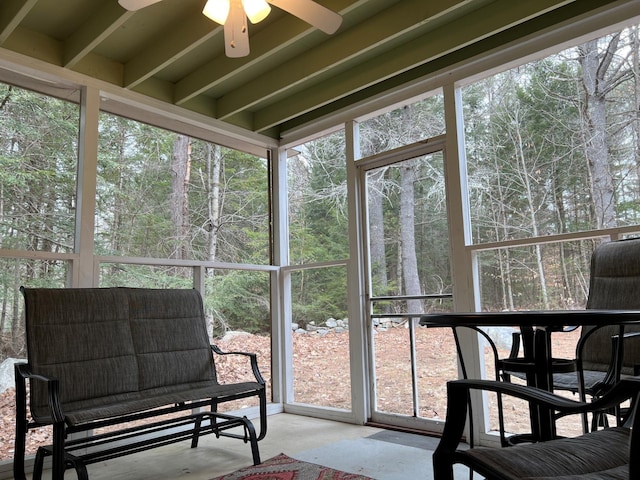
point(337, 53)
point(286, 32)
point(498, 16)
point(162, 51)
point(11, 14)
point(99, 26)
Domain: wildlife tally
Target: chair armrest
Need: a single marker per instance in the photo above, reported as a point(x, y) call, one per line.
point(457, 404)
point(458, 394)
point(252, 358)
point(616, 364)
point(23, 374)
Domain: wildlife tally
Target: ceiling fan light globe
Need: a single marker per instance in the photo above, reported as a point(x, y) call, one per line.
point(217, 10)
point(256, 10)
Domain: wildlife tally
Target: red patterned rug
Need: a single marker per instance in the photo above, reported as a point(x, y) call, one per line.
point(282, 467)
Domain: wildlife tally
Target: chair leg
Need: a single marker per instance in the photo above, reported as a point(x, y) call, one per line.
point(38, 464)
point(19, 450)
point(22, 425)
point(58, 463)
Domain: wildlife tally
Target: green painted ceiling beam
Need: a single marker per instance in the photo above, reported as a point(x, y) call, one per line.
point(438, 64)
point(336, 52)
point(161, 52)
point(101, 25)
point(498, 16)
point(12, 12)
point(286, 31)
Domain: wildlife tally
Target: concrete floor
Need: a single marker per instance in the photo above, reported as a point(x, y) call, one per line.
point(371, 451)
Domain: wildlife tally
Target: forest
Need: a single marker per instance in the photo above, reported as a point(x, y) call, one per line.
point(552, 147)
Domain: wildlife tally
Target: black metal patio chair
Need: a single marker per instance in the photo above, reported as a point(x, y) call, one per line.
point(608, 454)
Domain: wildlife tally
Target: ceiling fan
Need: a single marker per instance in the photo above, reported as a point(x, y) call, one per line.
point(233, 15)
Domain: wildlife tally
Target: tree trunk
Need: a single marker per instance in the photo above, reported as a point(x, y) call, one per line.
point(407, 235)
point(528, 191)
point(214, 168)
point(181, 169)
point(375, 184)
point(594, 69)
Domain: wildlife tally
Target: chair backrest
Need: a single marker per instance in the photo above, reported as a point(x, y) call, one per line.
point(614, 285)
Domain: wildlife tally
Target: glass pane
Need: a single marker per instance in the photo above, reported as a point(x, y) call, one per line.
point(403, 126)
point(318, 201)
point(237, 307)
point(321, 368)
point(408, 251)
point(13, 274)
point(408, 232)
point(38, 161)
point(563, 346)
point(145, 276)
point(538, 277)
point(552, 276)
point(549, 149)
point(165, 195)
point(436, 363)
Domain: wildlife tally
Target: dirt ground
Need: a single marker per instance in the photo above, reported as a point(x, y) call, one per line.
point(321, 375)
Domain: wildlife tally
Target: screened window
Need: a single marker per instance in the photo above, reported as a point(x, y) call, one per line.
point(167, 195)
point(38, 161)
point(552, 145)
point(403, 126)
point(318, 222)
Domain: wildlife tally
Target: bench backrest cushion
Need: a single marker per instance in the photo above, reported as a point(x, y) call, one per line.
point(169, 337)
point(107, 341)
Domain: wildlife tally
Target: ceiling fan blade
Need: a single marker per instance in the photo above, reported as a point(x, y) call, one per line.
point(311, 12)
point(136, 4)
point(236, 34)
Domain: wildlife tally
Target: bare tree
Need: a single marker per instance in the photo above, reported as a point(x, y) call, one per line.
point(181, 173)
point(599, 76)
point(407, 235)
point(213, 167)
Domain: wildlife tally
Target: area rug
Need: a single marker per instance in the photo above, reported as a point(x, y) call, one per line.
point(282, 467)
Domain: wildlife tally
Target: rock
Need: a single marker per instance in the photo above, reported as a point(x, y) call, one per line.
point(7, 378)
point(502, 336)
point(233, 334)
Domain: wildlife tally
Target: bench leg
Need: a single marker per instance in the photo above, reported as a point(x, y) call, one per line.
point(250, 436)
point(263, 415)
point(253, 440)
point(80, 468)
point(196, 431)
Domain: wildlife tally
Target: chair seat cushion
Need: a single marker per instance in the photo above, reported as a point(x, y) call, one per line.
point(569, 381)
point(81, 412)
point(601, 455)
point(618, 473)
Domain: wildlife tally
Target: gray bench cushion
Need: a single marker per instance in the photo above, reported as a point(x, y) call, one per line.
point(78, 413)
point(117, 350)
point(169, 337)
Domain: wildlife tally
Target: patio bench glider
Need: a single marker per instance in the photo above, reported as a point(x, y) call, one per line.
point(608, 454)
point(122, 358)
